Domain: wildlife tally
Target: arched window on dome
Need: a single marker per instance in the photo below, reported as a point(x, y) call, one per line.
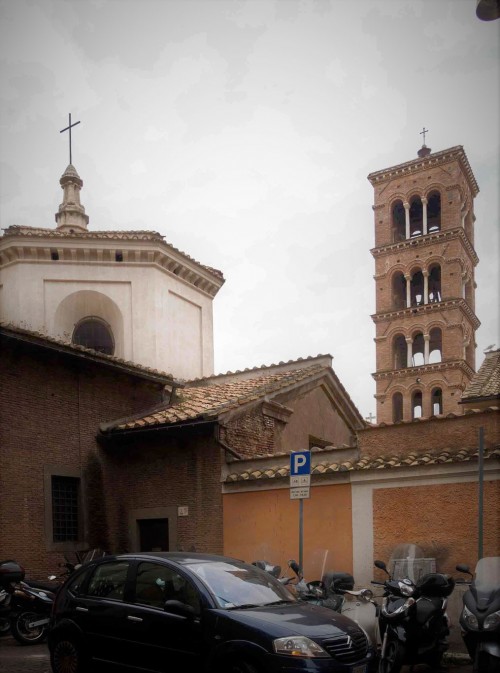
point(95, 333)
point(397, 407)
point(416, 405)
point(437, 401)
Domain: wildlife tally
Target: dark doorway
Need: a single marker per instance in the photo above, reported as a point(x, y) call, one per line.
point(153, 534)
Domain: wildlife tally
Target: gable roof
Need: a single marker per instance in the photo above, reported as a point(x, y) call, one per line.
point(204, 400)
point(485, 384)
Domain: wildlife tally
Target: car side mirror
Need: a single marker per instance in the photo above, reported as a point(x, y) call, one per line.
point(178, 608)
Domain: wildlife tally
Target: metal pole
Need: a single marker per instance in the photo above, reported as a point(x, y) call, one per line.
point(301, 533)
point(481, 493)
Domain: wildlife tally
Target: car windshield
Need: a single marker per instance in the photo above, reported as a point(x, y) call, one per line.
point(239, 585)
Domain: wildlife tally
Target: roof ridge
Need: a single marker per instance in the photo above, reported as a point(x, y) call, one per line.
point(260, 368)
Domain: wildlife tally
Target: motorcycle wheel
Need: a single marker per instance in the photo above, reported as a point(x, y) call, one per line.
point(23, 633)
point(393, 659)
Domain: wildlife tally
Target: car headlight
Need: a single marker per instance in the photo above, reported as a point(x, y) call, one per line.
point(298, 646)
point(492, 621)
point(469, 618)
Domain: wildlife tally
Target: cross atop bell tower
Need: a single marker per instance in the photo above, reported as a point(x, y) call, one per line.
point(424, 281)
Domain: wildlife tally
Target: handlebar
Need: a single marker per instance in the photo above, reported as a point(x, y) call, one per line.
point(380, 584)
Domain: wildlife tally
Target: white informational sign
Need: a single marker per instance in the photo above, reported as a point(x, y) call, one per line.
point(301, 480)
point(300, 493)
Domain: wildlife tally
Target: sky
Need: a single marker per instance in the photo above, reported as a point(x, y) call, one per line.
point(244, 131)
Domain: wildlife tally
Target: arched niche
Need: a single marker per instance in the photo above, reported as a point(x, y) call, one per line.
point(89, 305)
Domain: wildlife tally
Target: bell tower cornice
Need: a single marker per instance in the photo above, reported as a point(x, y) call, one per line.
point(429, 309)
point(438, 237)
point(425, 163)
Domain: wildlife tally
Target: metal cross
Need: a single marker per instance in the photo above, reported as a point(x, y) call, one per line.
point(423, 132)
point(68, 128)
point(370, 418)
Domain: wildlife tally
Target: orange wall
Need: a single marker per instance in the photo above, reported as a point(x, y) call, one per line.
point(265, 525)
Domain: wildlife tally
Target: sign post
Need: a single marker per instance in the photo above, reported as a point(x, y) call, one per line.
point(300, 483)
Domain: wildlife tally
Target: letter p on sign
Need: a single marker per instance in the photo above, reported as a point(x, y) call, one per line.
point(300, 463)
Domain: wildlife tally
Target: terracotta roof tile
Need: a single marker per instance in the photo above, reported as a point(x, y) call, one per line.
point(199, 402)
point(486, 383)
point(364, 463)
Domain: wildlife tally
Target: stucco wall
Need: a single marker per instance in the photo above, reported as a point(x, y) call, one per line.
point(265, 525)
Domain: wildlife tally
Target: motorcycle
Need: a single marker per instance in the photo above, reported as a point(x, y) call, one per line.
point(30, 613)
point(480, 618)
point(413, 622)
point(25, 605)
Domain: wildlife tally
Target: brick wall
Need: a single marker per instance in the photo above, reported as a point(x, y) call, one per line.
point(431, 435)
point(50, 409)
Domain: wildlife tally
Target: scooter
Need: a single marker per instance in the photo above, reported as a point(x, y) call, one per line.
point(480, 618)
point(413, 621)
point(30, 613)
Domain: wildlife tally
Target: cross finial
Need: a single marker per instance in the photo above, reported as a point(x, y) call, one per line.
point(370, 418)
point(68, 128)
point(423, 132)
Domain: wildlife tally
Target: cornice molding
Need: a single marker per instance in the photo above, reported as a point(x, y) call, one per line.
point(421, 241)
point(408, 372)
point(425, 163)
point(418, 311)
point(92, 248)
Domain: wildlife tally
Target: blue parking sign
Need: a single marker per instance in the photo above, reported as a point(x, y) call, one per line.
point(300, 463)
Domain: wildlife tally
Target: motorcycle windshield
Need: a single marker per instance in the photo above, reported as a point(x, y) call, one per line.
point(487, 577)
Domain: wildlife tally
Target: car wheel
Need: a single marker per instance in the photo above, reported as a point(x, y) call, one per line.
point(66, 656)
point(392, 661)
point(25, 634)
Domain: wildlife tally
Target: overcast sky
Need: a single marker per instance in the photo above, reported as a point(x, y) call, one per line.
point(243, 131)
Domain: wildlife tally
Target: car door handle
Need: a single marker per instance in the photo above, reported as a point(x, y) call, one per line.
point(79, 609)
point(134, 619)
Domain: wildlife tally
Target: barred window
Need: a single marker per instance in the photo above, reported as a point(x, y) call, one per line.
point(65, 508)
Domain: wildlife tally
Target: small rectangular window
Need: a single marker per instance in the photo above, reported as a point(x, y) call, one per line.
point(119, 256)
point(54, 255)
point(65, 508)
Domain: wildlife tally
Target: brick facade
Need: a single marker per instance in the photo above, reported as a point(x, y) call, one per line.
point(424, 284)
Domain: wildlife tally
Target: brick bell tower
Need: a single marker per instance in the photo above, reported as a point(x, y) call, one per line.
point(425, 290)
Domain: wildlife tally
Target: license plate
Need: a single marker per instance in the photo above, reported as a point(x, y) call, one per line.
point(359, 669)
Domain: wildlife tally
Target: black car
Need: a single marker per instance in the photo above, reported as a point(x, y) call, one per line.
point(173, 611)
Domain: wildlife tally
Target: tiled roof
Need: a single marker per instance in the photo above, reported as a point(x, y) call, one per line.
point(486, 383)
point(75, 349)
point(208, 401)
point(282, 470)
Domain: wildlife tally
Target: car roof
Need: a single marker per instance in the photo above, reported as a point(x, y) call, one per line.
point(184, 558)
